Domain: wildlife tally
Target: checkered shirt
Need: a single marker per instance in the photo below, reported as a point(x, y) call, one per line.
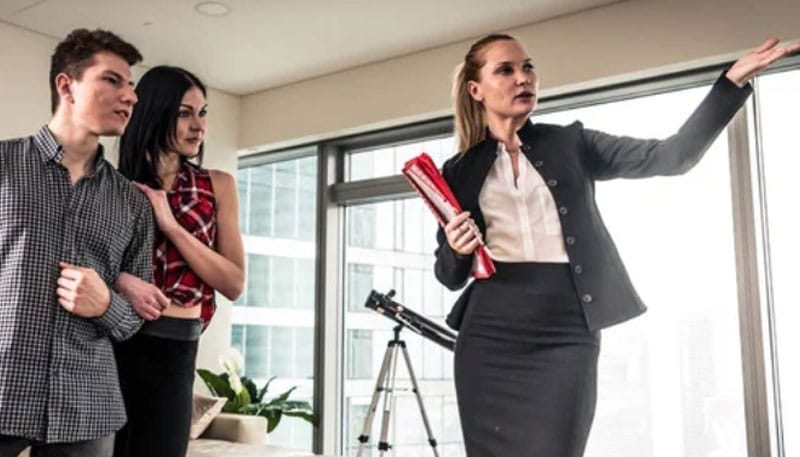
point(58, 377)
point(195, 208)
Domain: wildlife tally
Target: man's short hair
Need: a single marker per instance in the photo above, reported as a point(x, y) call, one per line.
point(76, 53)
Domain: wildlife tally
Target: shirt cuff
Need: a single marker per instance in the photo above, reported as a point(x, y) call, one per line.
point(116, 321)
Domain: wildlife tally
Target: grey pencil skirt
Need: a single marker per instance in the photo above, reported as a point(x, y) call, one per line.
point(526, 365)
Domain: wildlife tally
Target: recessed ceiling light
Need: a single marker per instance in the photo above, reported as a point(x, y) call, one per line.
point(215, 9)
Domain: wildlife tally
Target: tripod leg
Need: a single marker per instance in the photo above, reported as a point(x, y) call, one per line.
point(417, 394)
point(380, 385)
point(388, 400)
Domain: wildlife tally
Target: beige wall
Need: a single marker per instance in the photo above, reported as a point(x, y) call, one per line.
point(25, 106)
point(24, 92)
point(612, 43)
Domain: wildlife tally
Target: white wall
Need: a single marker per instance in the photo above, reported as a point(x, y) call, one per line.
point(25, 107)
point(620, 41)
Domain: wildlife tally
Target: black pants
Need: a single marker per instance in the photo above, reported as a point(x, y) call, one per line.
point(526, 365)
point(156, 377)
point(11, 446)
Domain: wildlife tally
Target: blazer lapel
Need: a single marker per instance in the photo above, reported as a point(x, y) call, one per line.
point(477, 163)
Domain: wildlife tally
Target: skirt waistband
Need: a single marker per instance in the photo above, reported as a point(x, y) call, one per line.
point(527, 270)
point(173, 328)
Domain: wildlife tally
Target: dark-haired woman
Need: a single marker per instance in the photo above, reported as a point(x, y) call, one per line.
point(197, 251)
point(528, 345)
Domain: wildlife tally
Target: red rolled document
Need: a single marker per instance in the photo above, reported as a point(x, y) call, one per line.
point(425, 178)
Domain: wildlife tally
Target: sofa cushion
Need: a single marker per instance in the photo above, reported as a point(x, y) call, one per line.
point(238, 428)
point(216, 448)
point(204, 410)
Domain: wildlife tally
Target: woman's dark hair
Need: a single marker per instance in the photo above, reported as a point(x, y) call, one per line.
point(151, 129)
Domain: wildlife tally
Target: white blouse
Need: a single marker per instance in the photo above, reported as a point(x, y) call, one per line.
point(522, 223)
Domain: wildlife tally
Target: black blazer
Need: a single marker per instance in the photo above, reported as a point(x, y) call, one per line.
point(570, 160)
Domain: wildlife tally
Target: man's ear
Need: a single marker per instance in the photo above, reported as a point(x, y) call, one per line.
point(475, 91)
point(64, 87)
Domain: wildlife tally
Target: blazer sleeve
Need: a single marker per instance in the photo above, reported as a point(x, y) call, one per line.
point(451, 269)
point(610, 156)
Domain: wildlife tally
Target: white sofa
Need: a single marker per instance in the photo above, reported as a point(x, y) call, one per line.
point(235, 435)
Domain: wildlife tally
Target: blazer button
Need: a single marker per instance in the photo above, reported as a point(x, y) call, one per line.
point(552, 183)
point(538, 164)
point(563, 210)
point(525, 148)
point(570, 240)
point(578, 269)
point(587, 298)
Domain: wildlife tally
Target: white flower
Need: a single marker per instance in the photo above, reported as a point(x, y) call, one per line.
point(236, 383)
point(232, 362)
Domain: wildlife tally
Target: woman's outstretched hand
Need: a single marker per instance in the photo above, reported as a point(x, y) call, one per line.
point(754, 62)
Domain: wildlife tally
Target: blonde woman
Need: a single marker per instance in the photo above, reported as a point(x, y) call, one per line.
point(527, 350)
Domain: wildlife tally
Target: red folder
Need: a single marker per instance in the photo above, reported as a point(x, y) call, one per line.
point(425, 178)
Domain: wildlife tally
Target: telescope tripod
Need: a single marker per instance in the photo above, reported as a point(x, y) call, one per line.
point(386, 385)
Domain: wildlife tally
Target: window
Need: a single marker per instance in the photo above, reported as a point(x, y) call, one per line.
point(388, 160)
point(401, 258)
point(274, 319)
point(670, 381)
point(778, 96)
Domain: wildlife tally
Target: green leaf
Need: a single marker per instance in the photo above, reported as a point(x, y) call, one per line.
point(250, 400)
point(260, 397)
point(252, 390)
point(273, 422)
point(282, 397)
point(295, 404)
point(218, 385)
point(230, 407)
point(309, 417)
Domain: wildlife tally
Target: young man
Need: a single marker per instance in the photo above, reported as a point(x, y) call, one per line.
point(69, 224)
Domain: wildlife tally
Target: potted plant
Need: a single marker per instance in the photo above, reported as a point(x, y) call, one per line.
point(244, 397)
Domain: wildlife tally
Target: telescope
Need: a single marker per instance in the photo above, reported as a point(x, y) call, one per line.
point(384, 305)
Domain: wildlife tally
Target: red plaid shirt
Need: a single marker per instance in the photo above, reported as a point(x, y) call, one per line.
point(195, 208)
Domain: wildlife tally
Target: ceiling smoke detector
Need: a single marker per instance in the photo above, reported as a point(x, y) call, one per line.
point(213, 9)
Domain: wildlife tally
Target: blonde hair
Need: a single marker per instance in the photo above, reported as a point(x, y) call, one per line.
point(470, 125)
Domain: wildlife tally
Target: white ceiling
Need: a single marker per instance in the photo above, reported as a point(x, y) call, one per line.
point(268, 43)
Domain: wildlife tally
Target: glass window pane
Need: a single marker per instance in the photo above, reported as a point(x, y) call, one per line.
point(273, 325)
point(260, 201)
point(307, 198)
point(778, 96)
point(283, 275)
point(359, 285)
point(286, 202)
point(670, 381)
point(243, 187)
point(396, 260)
point(258, 280)
point(306, 278)
point(256, 359)
point(359, 354)
point(389, 160)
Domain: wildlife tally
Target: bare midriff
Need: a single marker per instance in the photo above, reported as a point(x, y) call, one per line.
point(180, 312)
